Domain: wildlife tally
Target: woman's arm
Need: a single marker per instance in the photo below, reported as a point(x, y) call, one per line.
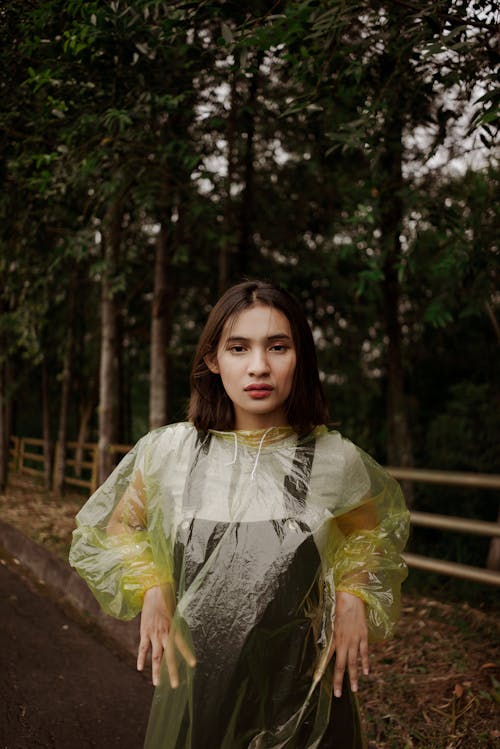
point(365, 564)
point(112, 547)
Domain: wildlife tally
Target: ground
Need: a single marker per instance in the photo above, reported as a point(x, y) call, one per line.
point(62, 687)
point(435, 685)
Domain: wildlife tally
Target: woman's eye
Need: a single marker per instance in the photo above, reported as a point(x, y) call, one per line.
point(237, 349)
point(279, 347)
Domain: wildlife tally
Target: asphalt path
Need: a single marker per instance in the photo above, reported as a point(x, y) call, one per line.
point(61, 685)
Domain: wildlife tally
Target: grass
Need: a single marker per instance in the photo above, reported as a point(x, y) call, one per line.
point(435, 685)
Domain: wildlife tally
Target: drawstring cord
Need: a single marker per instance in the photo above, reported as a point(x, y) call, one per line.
point(252, 475)
point(235, 455)
point(259, 450)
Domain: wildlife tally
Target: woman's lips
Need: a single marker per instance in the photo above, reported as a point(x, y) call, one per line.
point(258, 391)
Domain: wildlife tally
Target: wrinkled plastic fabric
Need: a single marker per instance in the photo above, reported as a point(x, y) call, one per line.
point(250, 535)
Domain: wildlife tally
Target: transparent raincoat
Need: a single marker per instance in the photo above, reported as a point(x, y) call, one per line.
point(250, 534)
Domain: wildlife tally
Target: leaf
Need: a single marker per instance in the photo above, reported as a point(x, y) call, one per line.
point(458, 691)
point(243, 57)
point(227, 34)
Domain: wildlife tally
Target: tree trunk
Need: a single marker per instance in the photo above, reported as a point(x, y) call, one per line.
point(119, 404)
point(4, 429)
point(246, 245)
point(111, 239)
point(5, 421)
point(399, 447)
point(83, 434)
point(224, 270)
point(160, 326)
point(493, 560)
point(399, 442)
point(62, 432)
point(47, 441)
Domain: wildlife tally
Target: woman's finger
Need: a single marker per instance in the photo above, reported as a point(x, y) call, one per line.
point(352, 666)
point(171, 660)
point(142, 652)
point(184, 650)
point(338, 671)
point(363, 649)
point(156, 658)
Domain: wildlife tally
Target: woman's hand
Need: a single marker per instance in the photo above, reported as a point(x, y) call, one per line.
point(158, 633)
point(350, 640)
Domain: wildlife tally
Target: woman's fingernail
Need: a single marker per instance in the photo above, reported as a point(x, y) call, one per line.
point(354, 686)
point(338, 693)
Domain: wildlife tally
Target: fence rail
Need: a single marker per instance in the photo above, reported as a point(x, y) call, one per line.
point(78, 464)
point(450, 478)
point(452, 523)
point(452, 569)
point(26, 461)
point(26, 456)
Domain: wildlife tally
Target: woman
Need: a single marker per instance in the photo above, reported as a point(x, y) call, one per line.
point(261, 547)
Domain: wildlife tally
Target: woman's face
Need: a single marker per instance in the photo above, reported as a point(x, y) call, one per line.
point(256, 361)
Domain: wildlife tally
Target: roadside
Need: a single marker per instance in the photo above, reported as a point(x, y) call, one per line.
point(436, 685)
point(61, 686)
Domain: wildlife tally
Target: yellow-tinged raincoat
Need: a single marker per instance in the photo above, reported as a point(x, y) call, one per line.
point(251, 534)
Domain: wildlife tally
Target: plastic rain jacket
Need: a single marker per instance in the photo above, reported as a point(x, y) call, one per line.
point(250, 534)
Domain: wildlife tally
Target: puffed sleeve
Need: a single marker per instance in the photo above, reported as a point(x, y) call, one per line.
point(366, 540)
point(111, 547)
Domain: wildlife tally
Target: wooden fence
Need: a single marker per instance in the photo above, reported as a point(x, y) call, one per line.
point(81, 469)
point(80, 465)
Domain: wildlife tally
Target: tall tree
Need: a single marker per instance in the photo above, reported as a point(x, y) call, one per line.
point(381, 67)
point(160, 325)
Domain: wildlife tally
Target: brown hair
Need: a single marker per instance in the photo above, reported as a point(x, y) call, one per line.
point(210, 407)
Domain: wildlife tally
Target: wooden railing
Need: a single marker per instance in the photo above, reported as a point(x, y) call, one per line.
point(80, 465)
point(30, 458)
point(26, 457)
point(450, 523)
point(83, 460)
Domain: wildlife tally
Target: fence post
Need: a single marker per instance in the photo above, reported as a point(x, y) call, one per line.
point(56, 464)
point(95, 469)
point(14, 454)
point(21, 456)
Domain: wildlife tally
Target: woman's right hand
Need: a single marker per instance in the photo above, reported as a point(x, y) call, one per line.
point(158, 633)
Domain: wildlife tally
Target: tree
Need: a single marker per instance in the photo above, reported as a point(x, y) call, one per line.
point(382, 67)
point(305, 143)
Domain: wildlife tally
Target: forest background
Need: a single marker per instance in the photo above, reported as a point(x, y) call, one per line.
point(153, 153)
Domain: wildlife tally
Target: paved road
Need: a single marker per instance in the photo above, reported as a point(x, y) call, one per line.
point(59, 686)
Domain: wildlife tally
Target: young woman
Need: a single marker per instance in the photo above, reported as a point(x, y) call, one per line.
point(261, 547)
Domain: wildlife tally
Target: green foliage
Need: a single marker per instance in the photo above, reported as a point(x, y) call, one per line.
point(454, 439)
point(282, 124)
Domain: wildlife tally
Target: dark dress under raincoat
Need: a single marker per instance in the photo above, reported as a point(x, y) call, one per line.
point(250, 534)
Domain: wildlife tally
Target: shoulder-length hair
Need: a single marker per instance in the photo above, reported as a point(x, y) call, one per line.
point(210, 407)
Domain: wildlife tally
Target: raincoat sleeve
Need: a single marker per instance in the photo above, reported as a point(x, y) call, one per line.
point(111, 546)
point(367, 538)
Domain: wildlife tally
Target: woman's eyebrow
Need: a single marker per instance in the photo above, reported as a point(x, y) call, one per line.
point(274, 337)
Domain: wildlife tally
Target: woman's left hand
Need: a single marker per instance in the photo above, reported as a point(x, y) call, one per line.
point(350, 640)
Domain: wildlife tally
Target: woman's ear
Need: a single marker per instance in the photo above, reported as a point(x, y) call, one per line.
point(211, 362)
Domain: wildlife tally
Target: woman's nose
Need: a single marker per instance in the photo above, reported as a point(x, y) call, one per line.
point(258, 365)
